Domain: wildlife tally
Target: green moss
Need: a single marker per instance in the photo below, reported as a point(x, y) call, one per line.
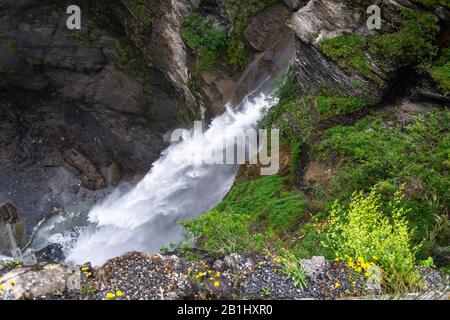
point(445, 3)
point(442, 75)
point(208, 43)
point(141, 11)
point(413, 44)
point(441, 71)
point(211, 45)
point(371, 153)
point(349, 51)
point(237, 49)
point(130, 59)
point(82, 38)
point(239, 12)
point(8, 44)
point(330, 103)
point(252, 214)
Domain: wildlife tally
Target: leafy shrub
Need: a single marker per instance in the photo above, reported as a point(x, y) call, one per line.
point(371, 153)
point(331, 104)
point(267, 201)
point(291, 267)
point(365, 230)
point(224, 232)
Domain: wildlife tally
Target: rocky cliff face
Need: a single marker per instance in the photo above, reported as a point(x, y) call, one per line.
point(75, 104)
point(83, 108)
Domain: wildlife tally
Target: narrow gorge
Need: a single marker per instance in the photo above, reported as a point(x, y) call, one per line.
point(92, 186)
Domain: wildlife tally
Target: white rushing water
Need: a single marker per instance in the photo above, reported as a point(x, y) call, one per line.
point(146, 217)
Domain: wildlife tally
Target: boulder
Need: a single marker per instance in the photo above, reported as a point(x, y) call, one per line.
point(35, 282)
point(321, 19)
point(313, 267)
point(91, 177)
point(267, 28)
point(53, 159)
point(114, 174)
point(8, 214)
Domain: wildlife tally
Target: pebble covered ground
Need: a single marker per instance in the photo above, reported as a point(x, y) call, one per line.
point(140, 276)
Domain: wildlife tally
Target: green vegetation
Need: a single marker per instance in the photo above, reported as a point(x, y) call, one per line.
point(211, 45)
point(8, 44)
point(140, 10)
point(264, 205)
point(330, 103)
point(130, 59)
point(291, 266)
point(207, 42)
point(239, 11)
point(412, 44)
point(350, 207)
point(441, 71)
point(372, 153)
point(365, 232)
point(445, 3)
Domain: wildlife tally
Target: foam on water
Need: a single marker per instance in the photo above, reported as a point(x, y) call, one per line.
point(146, 217)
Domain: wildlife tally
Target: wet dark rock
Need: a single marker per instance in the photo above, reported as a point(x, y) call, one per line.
point(8, 213)
point(294, 5)
point(51, 253)
point(266, 27)
point(53, 159)
point(114, 174)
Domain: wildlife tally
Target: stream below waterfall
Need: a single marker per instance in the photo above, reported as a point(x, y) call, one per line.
point(145, 217)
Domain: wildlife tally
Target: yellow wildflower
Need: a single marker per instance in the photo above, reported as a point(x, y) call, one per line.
point(11, 282)
point(185, 276)
point(210, 271)
point(84, 268)
point(218, 274)
point(89, 274)
point(353, 283)
point(261, 263)
point(119, 293)
point(1, 287)
point(216, 284)
point(110, 295)
point(361, 260)
point(337, 259)
point(374, 258)
point(337, 284)
point(211, 278)
point(367, 274)
point(359, 269)
point(351, 264)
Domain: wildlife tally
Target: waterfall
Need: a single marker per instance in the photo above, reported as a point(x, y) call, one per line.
point(146, 217)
